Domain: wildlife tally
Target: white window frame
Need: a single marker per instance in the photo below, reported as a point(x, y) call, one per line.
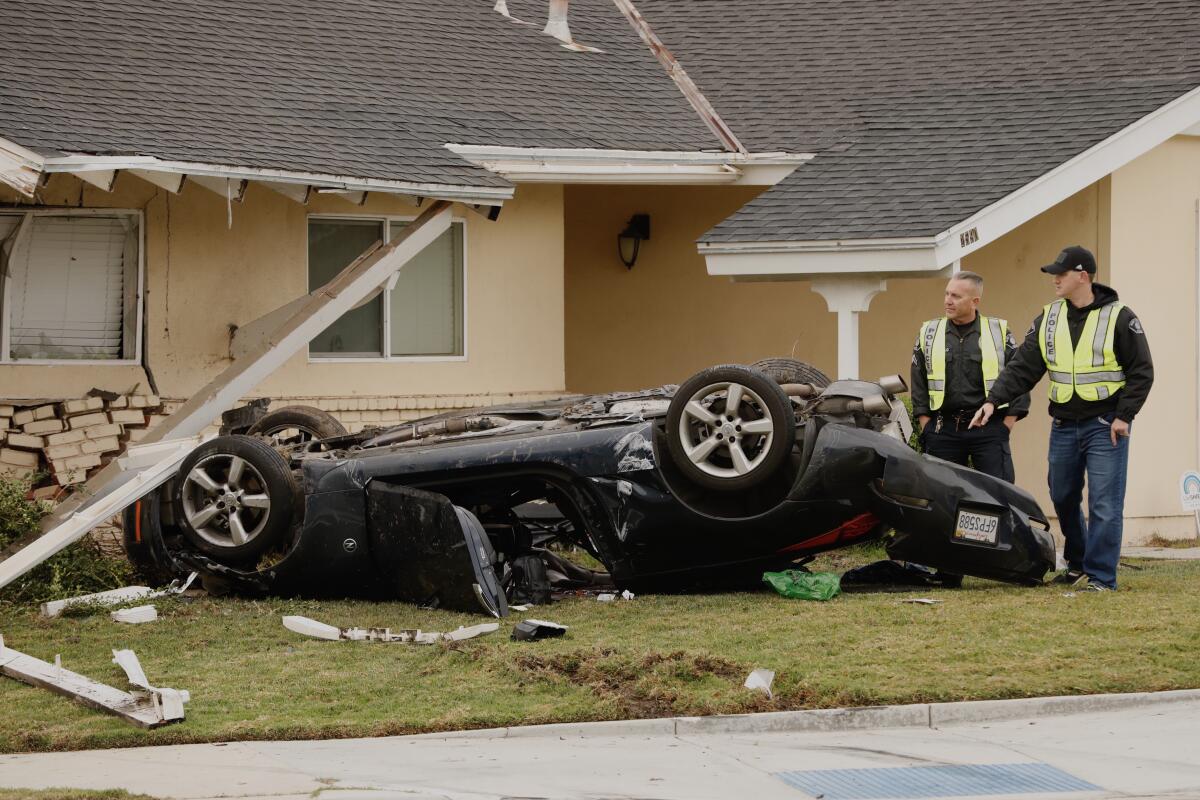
point(6, 358)
point(386, 344)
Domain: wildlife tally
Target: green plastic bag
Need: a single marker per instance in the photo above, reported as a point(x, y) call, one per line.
point(801, 585)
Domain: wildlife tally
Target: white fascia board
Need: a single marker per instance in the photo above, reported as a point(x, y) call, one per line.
point(482, 195)
point(980, 229)
point(20, 167)
point(894, 258)
point(594, 165)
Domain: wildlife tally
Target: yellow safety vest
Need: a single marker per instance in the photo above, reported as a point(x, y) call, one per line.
point(1089, 369)
point(993, 333)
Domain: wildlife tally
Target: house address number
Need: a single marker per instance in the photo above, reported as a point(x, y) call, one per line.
point(968, 237)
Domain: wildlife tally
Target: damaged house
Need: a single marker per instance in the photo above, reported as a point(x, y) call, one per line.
point(636, 189)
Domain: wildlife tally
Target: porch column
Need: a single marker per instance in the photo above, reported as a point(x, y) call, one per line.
point(848, 296)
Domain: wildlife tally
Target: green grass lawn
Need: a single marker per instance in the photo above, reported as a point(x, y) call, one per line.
point(250, 678)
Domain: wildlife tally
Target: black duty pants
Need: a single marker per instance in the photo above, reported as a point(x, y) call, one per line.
point(986, 448)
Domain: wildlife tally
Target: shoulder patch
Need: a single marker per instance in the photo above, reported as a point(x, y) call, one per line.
point(1135, 325)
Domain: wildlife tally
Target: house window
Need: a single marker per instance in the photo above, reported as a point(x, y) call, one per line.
point(70, 284)
point(420, 316)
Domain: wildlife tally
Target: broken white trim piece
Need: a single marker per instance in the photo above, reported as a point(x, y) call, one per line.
point(102, 179)
point(135, 615)
point(166, 703)
point(146, 707)
point(760, 680)
point(171, 181)
point(484, 195)
point(321, 630)
point(20, 167)
point(113, 597)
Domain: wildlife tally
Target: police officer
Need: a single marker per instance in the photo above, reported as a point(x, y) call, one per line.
point(956, 359)
point(1100, 369)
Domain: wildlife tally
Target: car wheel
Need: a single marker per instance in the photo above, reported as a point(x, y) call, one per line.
point(235, 498)
point(730, 427)
point(791, 370)
point(296, 424)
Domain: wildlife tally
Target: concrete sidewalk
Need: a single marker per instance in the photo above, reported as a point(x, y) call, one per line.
point(1143, 746)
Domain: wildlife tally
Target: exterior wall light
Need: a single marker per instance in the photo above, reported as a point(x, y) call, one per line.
point(629, 241)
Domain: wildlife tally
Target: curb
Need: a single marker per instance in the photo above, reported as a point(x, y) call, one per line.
point(920, 715)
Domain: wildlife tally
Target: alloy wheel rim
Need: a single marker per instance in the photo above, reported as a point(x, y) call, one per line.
point(225, 500)
point(726, 429)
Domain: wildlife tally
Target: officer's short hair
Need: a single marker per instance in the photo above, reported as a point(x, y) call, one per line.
point(973, 278)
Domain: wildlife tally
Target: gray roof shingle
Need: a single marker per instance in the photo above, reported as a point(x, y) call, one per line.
point(362, 88)
point(921, 112)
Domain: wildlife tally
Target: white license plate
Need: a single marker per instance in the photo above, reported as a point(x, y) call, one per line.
point(975, 527)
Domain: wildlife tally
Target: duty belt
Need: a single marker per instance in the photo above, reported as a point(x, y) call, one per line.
point(954, 420)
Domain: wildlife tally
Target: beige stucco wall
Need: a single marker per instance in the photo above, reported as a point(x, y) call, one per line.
point(667, 317)
point(202, 277)
point(1154, 268)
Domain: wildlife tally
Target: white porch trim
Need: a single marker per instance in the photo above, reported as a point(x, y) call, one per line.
point(77, 164)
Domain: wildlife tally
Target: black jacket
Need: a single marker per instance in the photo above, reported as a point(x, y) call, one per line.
point(964, 373)
point(1026, 368)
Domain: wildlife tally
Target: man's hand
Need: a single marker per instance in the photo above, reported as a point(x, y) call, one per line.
point(1119, 427)
point(1010, 422)
point(923, 420)
point(983, 415)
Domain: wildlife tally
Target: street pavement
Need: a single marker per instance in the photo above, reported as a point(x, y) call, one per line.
point(1139, 750)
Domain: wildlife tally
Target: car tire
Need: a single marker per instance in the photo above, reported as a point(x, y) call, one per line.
point(791, 370)
point(725, 451)
point(235, 498)
point(297, 424)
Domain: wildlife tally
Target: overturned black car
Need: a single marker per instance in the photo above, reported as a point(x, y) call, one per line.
point(706, 485)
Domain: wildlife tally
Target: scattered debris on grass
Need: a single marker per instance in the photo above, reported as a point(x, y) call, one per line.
point(321, 630)
point(804, 585)
point(760, 680)
point(924, 601)
point(144, 705)
point(113, 597)
point(135, 615)
point(531, 629)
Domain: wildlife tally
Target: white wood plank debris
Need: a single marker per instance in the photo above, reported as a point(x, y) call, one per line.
point(146, 706)
point(114, 597)
point(321, 630)
point(135, 615)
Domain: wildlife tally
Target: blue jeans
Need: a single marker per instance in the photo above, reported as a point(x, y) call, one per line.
point(1085, 447)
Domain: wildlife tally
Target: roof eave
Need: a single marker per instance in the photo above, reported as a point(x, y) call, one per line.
point(20, 167)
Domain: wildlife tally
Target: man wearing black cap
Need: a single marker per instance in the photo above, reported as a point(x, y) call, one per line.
point(1100, 370)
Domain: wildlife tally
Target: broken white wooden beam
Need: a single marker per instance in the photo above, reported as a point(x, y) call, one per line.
point(115, 597)
point(321, 630)
point(298, 192)
point(20, 168)
point(78, 521)
point(146, 706)
point(226, 188)
point(171, 181)
point(104, 495)
point(100, 178)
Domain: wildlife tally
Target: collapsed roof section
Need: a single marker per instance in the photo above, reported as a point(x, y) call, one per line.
point(354, 96)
